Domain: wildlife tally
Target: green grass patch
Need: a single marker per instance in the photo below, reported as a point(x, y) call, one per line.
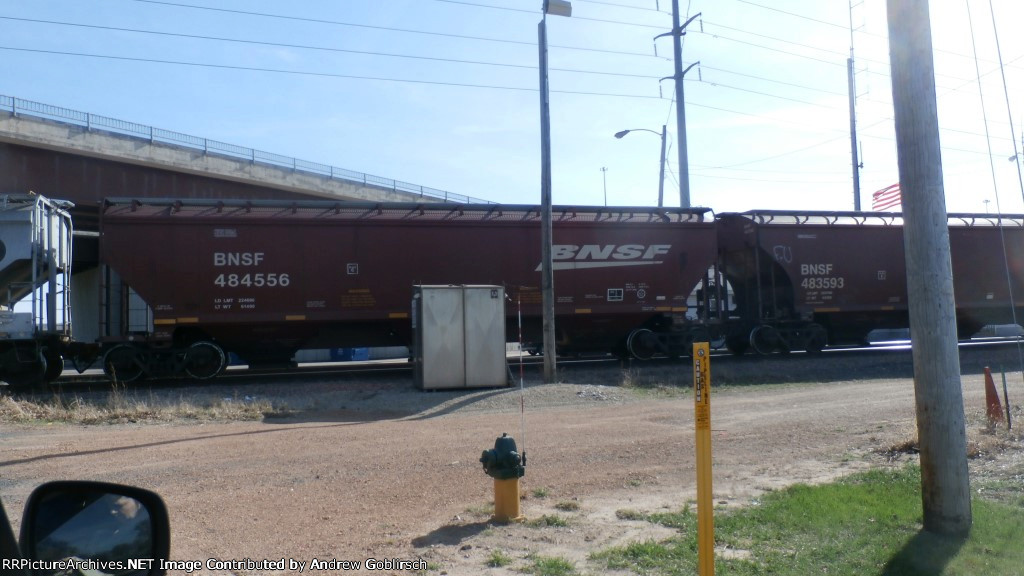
point(547, 566)
point(497, 559)
point(548, 520)
point(481, 510)
point(568, 506)
point(1005, 491)
point(540, 492)
point(630, 514)
point(867, 524)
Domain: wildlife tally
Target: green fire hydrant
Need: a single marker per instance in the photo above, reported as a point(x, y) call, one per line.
point(506, 466)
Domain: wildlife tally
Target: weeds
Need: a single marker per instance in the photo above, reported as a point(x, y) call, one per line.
point(568, 506)
point(481, 510)
point(119, 405)
point(497, 559)
point(629, 514)
point(548, 520)
point(547, 566)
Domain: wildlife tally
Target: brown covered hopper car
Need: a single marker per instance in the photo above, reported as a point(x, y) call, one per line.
point(803, 280)
point(263, 279)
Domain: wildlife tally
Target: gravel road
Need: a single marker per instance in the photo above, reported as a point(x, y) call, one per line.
point(377, 469)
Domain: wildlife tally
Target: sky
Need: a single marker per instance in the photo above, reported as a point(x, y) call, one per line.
point(444, 93)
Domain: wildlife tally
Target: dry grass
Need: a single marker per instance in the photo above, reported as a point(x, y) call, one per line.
point(669, 379)
point(985, 439)
point(119, 406)
point(995, 456)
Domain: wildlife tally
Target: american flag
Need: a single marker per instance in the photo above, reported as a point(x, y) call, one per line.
point(886, 197)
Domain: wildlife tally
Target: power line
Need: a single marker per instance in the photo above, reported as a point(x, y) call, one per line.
point(794, 14)
point(393, 79)
point(577, 17)
point(390, 29)
point(619, 22)
point(487, 6)
point(321, 74)
point(617, 5)
point(831, 140)
point(322, 48)
point(749, 91)
point(416, 57)
point(376, 78)
point(480, 38)
point(772, 80)
point(762, 171)
point(770, 180)
point(841, 64)
point(780, 155)
point(845, 27)
point(763, 47)
point(451, 84)
point(775, 39)
point(842, 55)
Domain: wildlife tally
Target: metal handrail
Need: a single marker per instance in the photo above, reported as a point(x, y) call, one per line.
point(18, 106)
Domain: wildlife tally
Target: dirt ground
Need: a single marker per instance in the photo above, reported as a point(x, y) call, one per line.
point(379, 470)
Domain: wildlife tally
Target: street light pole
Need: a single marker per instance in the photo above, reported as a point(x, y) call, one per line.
point(604, 181)
point(661, 170)
point(547, 281)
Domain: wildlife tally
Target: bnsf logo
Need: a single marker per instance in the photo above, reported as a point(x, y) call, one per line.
point(571, 256)
point(597, 252)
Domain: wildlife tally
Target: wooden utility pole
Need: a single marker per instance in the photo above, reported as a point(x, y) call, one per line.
point(945, 487)
point(547, 275)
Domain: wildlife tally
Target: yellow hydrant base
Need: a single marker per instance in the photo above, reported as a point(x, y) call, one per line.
point(506, 500)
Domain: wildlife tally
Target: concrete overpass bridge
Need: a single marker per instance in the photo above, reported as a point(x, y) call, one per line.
point(83, 157)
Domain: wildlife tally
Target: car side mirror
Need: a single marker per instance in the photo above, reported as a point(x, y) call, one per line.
point(72, 527)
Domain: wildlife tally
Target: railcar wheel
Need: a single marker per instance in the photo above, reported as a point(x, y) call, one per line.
point(54, 365)
point(642, 344)
point(817, 339)
point(204, 360)
point(765, 339)
point(693, 336)
point(123, 363)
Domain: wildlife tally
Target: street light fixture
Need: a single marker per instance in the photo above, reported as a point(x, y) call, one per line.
point(558, 8)
point(547, 281)
point(661, 171)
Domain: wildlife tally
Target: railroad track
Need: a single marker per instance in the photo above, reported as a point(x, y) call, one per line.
point(972, 352)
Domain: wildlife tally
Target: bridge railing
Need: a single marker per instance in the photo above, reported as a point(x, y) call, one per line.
point(18, 107)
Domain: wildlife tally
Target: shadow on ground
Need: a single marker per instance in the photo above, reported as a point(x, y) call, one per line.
point(925, 554)
point(450, 535)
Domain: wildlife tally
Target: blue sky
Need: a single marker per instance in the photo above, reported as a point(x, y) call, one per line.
point(455, 103)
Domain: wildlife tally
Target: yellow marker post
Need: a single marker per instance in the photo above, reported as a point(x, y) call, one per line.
point(702, 423)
